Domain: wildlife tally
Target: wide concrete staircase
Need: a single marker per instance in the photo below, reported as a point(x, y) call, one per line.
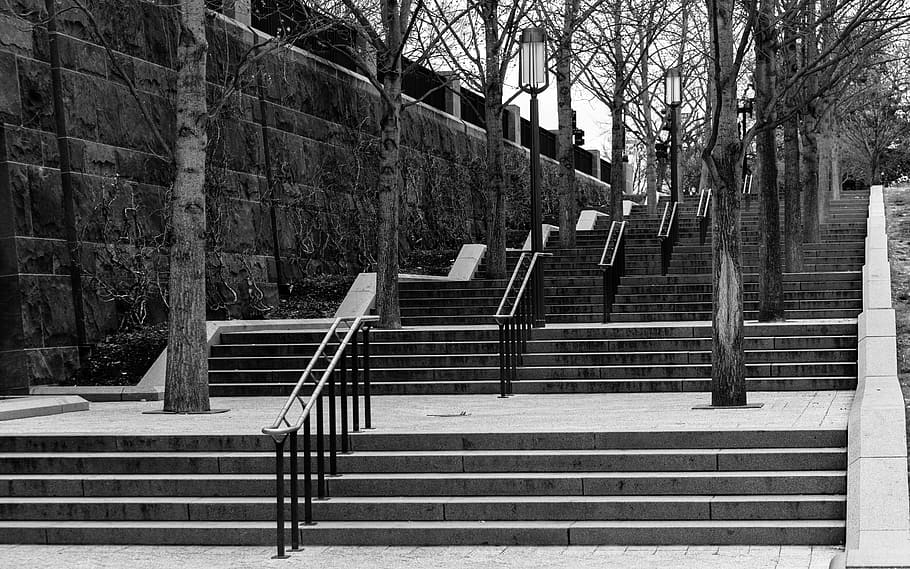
point(538, 487)
point(747, 487)
point(660, 339)
point(663, 357)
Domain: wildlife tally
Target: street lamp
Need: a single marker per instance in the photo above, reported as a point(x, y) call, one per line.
point(534, 80)
point(673, 93)
point(745, 109)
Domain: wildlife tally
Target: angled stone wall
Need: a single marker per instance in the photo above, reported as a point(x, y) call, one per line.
point(117, 81)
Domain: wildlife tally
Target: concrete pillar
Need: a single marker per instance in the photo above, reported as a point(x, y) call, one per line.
point(513, 123)
point(240, 10)
point(629, 173)
point(595, 163)
point(452, 93)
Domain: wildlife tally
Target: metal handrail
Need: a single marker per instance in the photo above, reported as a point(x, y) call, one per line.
point(276, 430)
point(704, 202)
point(667, 234)
point(703, 214)
point(615, 269)
point(603, 256)
point(515, 272)
point(747, 185)
point(515, 324)
point(524, 284)
point(283, 430)
point(661, 232)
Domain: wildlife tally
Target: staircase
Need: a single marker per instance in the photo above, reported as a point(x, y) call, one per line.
point(542, 488)
point(539, 487)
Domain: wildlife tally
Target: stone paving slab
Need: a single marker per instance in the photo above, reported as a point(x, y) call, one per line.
point(482, 414)
point(578, 557)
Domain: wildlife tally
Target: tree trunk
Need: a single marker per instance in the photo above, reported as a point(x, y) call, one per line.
point(680, 63)
point(809, 131)
point(387, 303)
point(811, 226)
point(835, 167)
point(875, 164)
point(649, 137)
point(728, 364)
point(495, 172)
point(770, 290)
point(618, 134)
point(704, 179)
point(565, 147)
point(793, 224)
point(825, 145)
point(186, 388)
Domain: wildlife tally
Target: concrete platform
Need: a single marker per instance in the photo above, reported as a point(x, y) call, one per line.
point(481, 413)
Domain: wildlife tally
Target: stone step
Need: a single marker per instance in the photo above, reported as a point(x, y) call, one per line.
point(430, 508)
point(556, 359)
point(757, 532)
point(578, 345)
point(575, 386)
point(469, 371)
point(477, 461)
point(762, 330)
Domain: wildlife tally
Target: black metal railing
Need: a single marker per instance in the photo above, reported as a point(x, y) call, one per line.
point(747, 189)
point(613, 265)
point(345, 350)
point(667, 233)
point(515, 317)
point(703, 214)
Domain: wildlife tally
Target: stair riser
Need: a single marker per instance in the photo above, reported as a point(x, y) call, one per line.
point(562, 462)
point(338, 510)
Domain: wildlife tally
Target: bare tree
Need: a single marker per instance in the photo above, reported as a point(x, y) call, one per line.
point(611, 69)
point(480, 41)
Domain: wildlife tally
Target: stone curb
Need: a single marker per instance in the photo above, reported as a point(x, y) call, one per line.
point(878, 519)
point(24, 407)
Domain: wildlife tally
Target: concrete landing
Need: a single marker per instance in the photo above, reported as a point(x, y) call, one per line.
point(601, 557)
point(481, 413)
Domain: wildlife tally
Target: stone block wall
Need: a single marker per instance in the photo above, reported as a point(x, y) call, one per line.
point(118, 86)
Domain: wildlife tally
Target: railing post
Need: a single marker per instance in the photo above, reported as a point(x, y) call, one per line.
point(279, 497)
point(320, 450)
point(515, 357)
point(333, 430)
point(307, 474)
point(502, 361)
point(344, 401)
point(355, 387)
point(606, 309)
point(367, 410)
point(295, 498)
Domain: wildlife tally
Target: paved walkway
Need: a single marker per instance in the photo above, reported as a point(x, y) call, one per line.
point(482, 413)
point(603, 557)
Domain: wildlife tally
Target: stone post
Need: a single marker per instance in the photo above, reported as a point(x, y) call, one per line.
point(452, 92)
point(240, 10)
point(513, 123)
point(595, 163)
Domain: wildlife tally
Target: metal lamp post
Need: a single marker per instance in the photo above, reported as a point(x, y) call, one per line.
point(673, 91)
point(534, 80)
point(745, 109)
